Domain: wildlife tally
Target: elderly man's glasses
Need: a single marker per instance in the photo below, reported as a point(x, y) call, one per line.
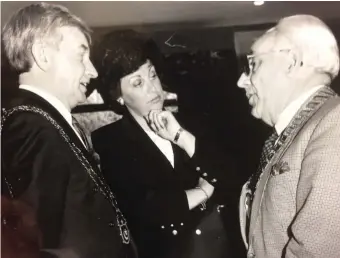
point(249, 64)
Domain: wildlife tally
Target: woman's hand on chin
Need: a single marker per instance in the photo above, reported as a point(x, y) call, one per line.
point(166, 126)
point(163, 123)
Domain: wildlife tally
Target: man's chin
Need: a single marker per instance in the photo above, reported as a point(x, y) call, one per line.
point(255, 113)
point(82, 100)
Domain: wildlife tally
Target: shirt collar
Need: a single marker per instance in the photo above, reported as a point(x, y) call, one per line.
point(55, 102)
point(289, 112)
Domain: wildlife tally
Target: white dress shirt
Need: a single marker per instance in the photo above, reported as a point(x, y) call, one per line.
point(289, 112)
point(55, 102)
point(164, 146)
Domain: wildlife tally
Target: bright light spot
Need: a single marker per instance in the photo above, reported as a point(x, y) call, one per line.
point(258, 3)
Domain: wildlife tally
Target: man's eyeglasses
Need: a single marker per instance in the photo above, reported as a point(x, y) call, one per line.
point(248, 64)
point(248, 61)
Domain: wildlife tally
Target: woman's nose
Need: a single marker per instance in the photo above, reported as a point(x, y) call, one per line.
point(151, 86)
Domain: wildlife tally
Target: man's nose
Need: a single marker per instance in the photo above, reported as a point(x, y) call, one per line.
point(243, 81)
point(91, 71)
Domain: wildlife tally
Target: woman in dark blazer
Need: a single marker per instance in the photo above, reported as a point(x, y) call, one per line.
point(158, 170)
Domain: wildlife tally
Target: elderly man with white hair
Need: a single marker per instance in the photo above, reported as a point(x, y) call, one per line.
point(290, 206)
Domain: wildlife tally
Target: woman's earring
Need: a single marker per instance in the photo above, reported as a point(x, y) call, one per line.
point(120, 101)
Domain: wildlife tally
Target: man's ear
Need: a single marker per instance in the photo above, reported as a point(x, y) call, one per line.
point(295, 62)
point(40, 55)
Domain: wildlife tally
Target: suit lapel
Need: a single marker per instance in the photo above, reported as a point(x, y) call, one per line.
point(307, 110)
point(34, 99)
point(33, 103)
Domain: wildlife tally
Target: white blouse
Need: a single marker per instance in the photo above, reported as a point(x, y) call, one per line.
point(164, 146)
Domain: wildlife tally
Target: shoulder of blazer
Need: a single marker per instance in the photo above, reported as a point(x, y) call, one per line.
point(106, 132)
point(330, 107)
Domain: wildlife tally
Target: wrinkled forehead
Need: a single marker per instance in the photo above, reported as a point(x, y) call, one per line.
point(272, 40)
point(73, 37)
point(265, 43)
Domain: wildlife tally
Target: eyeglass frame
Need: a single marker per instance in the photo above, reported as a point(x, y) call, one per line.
point(248, 69)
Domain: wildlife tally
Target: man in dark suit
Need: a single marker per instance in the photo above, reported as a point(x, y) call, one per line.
point(46, 162)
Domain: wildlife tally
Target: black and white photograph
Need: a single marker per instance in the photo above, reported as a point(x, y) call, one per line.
point(170, 129)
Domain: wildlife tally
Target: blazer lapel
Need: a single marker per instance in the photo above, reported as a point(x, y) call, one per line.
point(307, 110)
point(139, 139)
point(179, 156)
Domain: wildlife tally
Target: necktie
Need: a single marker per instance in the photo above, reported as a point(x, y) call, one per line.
point(82, 134)
point(266, 155)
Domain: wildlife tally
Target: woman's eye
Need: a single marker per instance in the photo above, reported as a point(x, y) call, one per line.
point(137, 82)
point(153, 74)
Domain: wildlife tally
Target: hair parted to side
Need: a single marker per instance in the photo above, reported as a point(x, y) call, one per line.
point(38, 21)
point(315, 41)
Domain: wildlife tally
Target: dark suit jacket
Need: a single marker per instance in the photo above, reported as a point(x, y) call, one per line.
point(40, 169)
point(150, 191)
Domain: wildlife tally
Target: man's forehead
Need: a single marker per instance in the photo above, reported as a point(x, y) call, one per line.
point(75, 37)
point(263, 44)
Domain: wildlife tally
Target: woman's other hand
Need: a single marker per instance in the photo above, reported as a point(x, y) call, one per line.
point(208, 188)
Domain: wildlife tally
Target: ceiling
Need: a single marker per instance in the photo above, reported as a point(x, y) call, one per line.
point(206, 13)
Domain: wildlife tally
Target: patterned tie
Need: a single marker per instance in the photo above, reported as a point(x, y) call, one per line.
point(266, 155)
point(87, 141)
point(82, 134)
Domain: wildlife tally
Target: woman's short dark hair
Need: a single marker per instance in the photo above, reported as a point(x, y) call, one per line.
point(118, 54)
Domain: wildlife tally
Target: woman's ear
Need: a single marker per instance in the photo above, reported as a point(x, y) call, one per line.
point(120, 100)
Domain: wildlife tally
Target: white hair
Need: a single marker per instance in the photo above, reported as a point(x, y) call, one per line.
point(314, 39)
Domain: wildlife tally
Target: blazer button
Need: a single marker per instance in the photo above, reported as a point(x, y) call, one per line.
point(174, 232)
point(162, 227)
point(198, 232)
point(214, 180)
point(198, 168)
point(205, 174)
